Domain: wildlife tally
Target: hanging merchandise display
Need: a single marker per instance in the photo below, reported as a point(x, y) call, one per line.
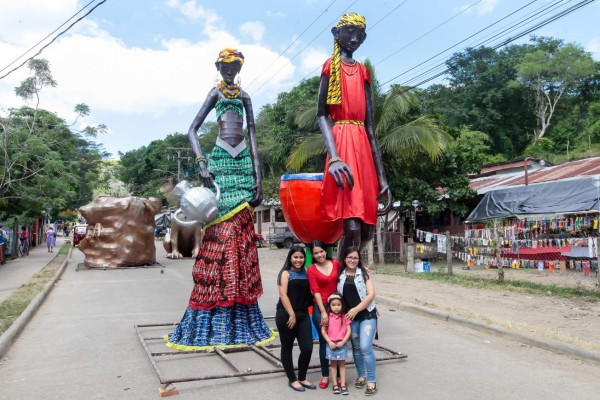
point(534, 242)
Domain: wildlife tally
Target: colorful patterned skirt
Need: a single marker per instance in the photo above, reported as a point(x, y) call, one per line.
point(223, 309)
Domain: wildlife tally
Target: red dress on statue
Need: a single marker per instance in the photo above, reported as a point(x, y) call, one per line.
point(354, 149)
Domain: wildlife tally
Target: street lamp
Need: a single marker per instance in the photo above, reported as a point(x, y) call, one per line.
point(596, 182)
point(415, 204)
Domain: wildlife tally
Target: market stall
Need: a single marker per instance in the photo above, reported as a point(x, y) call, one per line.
point(537, 225)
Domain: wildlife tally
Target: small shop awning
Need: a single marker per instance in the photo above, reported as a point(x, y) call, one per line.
point(562, 197)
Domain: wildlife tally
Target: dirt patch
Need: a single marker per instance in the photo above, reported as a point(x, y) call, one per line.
point(568, 320)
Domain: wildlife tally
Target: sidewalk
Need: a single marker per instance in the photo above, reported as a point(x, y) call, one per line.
point(19, 271)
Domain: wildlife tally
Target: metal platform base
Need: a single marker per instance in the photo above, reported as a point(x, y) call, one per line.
point(226, 357)
point(83, 267)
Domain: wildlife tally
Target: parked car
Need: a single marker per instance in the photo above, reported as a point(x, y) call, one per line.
point(79, 233)
point(282, 237)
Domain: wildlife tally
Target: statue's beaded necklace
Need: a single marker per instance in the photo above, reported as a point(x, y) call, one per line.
point(230, 101)
point(232, 91)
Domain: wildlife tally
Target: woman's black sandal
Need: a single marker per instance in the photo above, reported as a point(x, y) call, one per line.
point(360, 383)
point(370, 391)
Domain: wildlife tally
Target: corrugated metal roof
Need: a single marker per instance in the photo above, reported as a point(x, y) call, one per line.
point(567, 171)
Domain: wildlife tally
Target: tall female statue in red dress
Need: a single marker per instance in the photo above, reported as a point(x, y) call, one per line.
point(354, 175)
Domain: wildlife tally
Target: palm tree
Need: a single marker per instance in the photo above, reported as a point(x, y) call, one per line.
point(398, 133)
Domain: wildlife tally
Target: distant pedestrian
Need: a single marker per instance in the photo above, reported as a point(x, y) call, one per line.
point(50, 239)
point(2, 238)
point(24, 238)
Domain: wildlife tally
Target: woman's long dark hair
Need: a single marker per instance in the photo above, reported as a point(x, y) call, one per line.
point(318, 243)
point(345, 253)
point(288, 260)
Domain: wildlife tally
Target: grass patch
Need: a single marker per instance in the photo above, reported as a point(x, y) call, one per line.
point(17, 302)
point(520, 286)
point(64, 249)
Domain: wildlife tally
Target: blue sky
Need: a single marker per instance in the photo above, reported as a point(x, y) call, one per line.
point(144, 67)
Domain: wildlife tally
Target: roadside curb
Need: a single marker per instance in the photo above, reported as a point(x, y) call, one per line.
point(8, 337)
point(546, 344)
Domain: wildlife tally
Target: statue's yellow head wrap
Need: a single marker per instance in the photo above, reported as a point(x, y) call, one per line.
point(228, 55)
point(334, 93)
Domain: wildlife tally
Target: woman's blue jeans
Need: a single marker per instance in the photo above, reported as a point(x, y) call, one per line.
point(363, 333)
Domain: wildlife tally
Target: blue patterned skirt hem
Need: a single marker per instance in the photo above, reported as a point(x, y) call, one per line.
point(236, 326)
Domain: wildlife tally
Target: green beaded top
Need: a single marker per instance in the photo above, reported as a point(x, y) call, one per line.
point(224, 105)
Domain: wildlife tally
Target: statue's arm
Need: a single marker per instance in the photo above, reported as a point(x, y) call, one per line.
point(253, 149)
point(208, 105)
point(375, 150)
point(338, 168)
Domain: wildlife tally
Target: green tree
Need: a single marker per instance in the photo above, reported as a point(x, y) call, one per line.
point(551, 71)
point(277, 128)
point(45, 166)
point(480, 94)
point(146, 169)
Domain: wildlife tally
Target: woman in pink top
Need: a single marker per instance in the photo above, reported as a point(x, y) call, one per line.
point(337, 334)
point(322, 278)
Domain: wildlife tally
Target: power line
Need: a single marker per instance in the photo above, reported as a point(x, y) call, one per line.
point(535, 15)
point(532, 15)
point(291, 44)
point(414, 41)
point(387, 15)
point(428, 32)
point(464, 40)
point(304, 48)
point(518, 36)
point(52, 41)
point(35, 45)
point(377, 22)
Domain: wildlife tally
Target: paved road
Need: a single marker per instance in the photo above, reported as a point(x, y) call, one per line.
point(82, 345)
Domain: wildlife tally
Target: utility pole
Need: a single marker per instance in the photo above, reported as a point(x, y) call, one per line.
point(179, 158)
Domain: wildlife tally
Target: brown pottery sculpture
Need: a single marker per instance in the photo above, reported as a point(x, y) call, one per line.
point(120, 232)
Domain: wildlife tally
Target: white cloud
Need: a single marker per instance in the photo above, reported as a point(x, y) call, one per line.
point(98, 69)
point(25, 22)
point(593, 46)
point(194, 12)
point(275, 14)
point(483, 8)
point(313, 59)
point(487, 7)
point(253, 29)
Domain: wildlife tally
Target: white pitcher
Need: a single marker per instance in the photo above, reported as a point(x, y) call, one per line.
point(198, 204)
